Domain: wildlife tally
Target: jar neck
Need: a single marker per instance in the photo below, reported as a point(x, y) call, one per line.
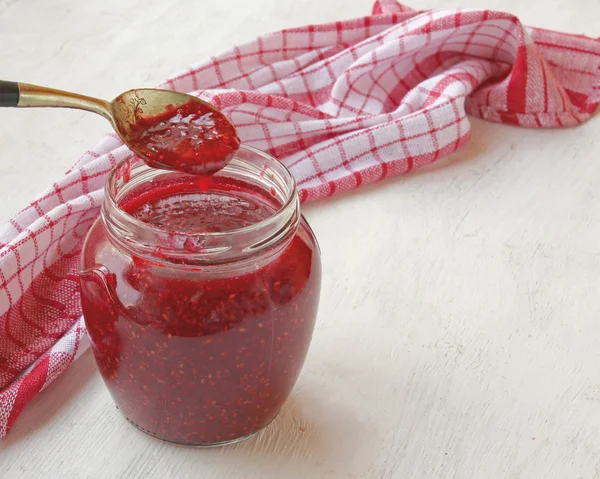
point(262, 174)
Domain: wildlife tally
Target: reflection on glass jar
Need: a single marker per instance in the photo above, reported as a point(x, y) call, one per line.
point(200, 296)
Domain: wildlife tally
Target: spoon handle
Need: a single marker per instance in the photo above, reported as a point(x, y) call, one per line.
point(23, 95)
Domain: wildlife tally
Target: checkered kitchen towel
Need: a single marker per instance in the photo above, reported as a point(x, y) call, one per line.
point(341, 104)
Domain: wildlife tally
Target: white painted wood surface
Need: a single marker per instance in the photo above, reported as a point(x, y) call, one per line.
point(459, 332)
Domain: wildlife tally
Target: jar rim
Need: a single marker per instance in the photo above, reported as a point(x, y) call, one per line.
point(124, 225)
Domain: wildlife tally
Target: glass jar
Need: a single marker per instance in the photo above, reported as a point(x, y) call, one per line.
point(200, 333)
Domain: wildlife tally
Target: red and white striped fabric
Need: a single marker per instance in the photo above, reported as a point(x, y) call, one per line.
point(341, 104)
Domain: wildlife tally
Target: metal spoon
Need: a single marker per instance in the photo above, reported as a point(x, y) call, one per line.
point(126, 113)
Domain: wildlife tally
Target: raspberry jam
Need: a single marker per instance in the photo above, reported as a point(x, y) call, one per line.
point(200, 297)
point(193, 137)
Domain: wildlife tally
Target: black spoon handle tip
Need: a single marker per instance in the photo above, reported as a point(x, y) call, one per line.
point(9, 93)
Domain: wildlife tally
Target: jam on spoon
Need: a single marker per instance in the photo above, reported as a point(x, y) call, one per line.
point(192, 138)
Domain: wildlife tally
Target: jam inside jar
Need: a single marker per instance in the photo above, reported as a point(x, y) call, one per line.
point(200, 296)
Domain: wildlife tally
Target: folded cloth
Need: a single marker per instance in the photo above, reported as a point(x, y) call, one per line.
point(341, 104)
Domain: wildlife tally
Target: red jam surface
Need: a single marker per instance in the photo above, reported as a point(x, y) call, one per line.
point(192, 138)
point(200, 355)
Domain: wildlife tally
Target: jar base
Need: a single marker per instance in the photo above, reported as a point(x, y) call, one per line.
point(199, 445)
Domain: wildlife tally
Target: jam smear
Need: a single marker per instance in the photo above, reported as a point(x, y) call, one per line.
point(209, 356)
point(193, 138)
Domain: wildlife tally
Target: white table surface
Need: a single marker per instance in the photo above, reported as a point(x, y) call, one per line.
point(459, 331)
